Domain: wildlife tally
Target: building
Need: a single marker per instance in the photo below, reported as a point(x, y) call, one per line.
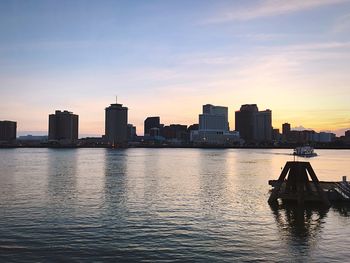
point(214, 127)
point(8, 131)
point(63, 126)
point(214, 118)
point(151, 122)
point(263, 128)
point(245, 121)
point(116, 125)
point(175, 131)
point(131, 132)
point(254, 125)
point(347, 134)
point(276, 136)
point(285, 129)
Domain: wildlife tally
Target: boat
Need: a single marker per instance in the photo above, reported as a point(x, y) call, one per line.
point(304, 151)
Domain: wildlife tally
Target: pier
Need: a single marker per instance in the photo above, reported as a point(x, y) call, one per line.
point(298, 182)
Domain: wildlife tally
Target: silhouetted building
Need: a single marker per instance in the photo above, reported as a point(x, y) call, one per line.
point(301, 137)
point(253, 125)
point(131, 132)
point(285, 129)
point(193, 127)
point(324, 137)
point(276, 136)
point(116, 124)
point(63, 126)
point(347, 134)
point(151, 122)
point(263, 128)
point(245, 121)
point(175, 131)
point(8, 131)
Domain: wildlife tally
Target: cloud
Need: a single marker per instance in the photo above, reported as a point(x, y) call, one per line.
point(301, 128)
point(267, 8)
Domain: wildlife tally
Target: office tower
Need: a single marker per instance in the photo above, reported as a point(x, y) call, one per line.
point(151, 122)
point(253, 125)
point(116, 124)
point(8, 131)
point(263, 128)
point(63, 125)
point(131, 132)
point(245, 121)
point(285, 129)
point(214, 127)
point(214, 118)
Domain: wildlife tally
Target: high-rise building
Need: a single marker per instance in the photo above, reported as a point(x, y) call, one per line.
point(263, 129)
point(245, 121)
point(63, 125)
point(214, 127)
point(285, 129)
point(151, 122)
point(8, 131)
point(253, 125)
point(131, 132)
point(214, 118)
point(116, 124)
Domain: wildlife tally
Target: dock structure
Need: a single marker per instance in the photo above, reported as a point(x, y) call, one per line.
point(294, 184)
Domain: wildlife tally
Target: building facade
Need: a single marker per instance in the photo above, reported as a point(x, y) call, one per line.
point(254, 125)
point(131, 132)
point(214, 118)
point(116, 125)
point(149, 123)
point(8, 131)
point(285, 129)
point(213, 127)
point(63, 126)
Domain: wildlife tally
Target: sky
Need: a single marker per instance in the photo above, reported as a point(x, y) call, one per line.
point(168, 58)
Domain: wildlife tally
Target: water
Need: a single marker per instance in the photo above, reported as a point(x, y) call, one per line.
point(198, 205)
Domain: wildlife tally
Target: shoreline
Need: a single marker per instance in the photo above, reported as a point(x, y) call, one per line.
point(170, 147)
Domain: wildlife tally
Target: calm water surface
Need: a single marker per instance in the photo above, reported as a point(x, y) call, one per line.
point(152, 205)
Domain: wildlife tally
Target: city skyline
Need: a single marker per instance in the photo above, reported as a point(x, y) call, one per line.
point(290, 57)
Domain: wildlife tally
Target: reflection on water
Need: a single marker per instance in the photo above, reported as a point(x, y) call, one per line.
point(61, 176)
point(302, 223)
point(197, 205)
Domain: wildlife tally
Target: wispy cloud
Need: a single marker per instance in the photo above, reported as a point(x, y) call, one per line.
point(266, 8)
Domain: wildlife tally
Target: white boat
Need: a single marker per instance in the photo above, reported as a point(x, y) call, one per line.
point(305, 151)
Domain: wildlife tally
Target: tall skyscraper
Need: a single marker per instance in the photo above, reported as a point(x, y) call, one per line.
point(116, 124)
point(8, 131)
point(245, 121)
point(263, 129)
point(253, 125)
point(63, 125)
point(151, 122)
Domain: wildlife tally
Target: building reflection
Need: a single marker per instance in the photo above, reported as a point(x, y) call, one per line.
point(116, 180)
point(61, 180)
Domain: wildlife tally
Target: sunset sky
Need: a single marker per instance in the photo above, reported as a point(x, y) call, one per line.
point(168, 58)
